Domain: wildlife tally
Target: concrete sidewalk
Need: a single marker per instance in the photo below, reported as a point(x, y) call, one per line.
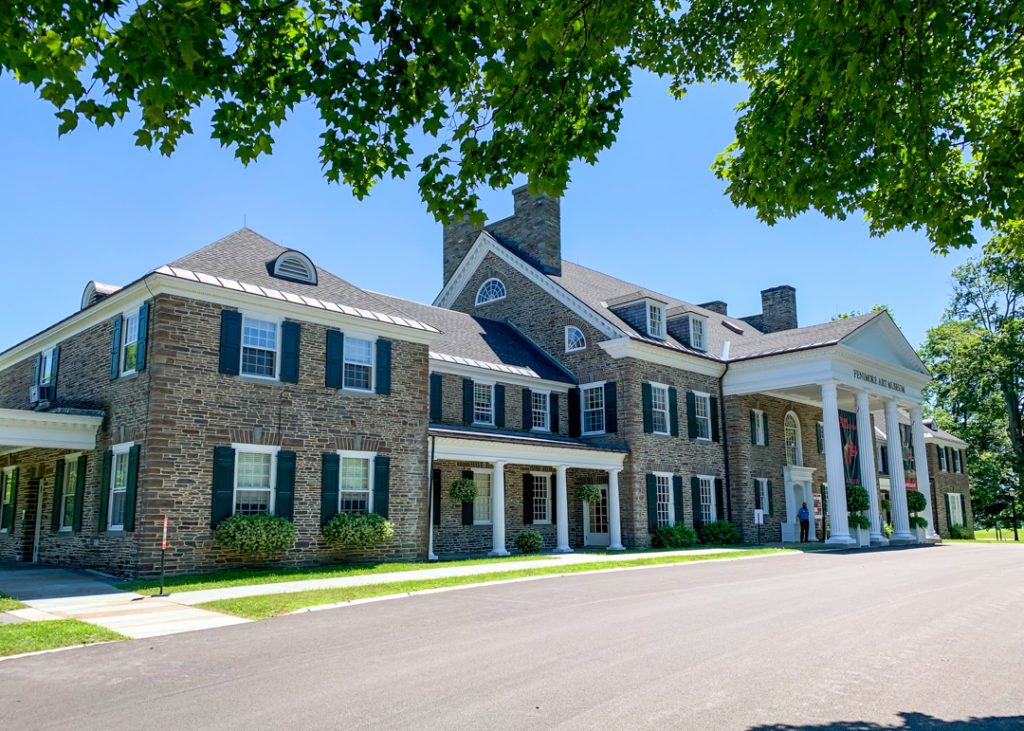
point(55, 593)
point(434, 572)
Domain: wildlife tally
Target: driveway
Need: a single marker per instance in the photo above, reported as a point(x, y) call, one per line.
point(916, 638)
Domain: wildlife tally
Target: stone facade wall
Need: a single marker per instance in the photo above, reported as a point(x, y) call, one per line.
point(451, 404)
point(946, 482)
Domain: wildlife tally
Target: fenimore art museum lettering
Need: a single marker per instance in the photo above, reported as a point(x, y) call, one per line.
point(892, 386)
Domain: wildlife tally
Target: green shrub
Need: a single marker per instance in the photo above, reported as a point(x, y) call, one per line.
point(529, 541)
point(886, 505)
point(357, 530)
point(858, 520)
point(719, 533)
point(673, 536)
point(589, 493)
point(916, 501)
point(917, 521)
point(463, 490)
point(962, 533)
point(255, 535)
point(857, 498)
point(888, 529)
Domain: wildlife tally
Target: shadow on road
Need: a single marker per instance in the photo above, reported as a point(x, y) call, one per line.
point(911, 722)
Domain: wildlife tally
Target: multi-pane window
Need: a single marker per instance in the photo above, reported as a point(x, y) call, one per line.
point(702, 411)
point(574, 339)
point(707, 499)
point(6, 498)
point(491, 290)
point(655, 320)
point(259, 348)
point(541, 498)
point(358, 363)
point(794, 450)
point(956, 509)
point(659, 408)
point(757, 424)
point(482, 504)
point(483, 403)
point(45, 368)
point(356, 476)
point(118, 488)
point(539, 405)
point(762, 492)
point(130, 343)
point(698, 333)
point(254, 487)
point(942, 458)
point(592, 403)
point(67, 496)
point(956, 461)
point(664, 499)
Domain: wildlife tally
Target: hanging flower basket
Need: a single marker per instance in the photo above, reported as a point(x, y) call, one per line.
point(589, 493)
point(463, 491)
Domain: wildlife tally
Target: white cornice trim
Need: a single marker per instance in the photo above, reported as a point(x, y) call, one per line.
point(473, 450)
point(490, 374)
point(41, 429)
point(626, 347)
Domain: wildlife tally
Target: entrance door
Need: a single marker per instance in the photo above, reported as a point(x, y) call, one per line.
point(595, 521)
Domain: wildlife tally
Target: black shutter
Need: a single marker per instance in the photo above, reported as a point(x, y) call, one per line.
point(527, 499)
point(714, 418)
point(721, 509)
point(335, 353)
point(54, 361)
point(58, 489)
point(101, 522)
point(652, 503)
point(764, 423)
point(819, 430)
point(435, 496)
point(383, 367)
point(284, 497)
point(381, 485)
point(38, 370)
point(436, 396)
point(13, 507)
point(133, 480)
point(771, 499)
point(467, 508)
point(753, 427)
point(467, 401)
point(574, 412)
point(673, 411)
point(115, 349)
point(291, 335)
point(691, 414)
point(499, 406)
point(695, 497)
point(647, 398)
point(677, 499)
point(611, 409)
point(757, 496)
point(223, 502)
point(963, 461)
point(230, 343)
point(527, 409)
point(553, 406)
point(140, 357)
point(330, 474)
point(553, 486)
point(80, 490)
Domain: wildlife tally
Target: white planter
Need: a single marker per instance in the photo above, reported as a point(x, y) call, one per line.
point(862, 536)
point(919, 534)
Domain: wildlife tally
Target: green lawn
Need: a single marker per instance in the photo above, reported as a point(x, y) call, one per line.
point(272, 605)
point(7, 604)
point(31, 636)
point(989, 536)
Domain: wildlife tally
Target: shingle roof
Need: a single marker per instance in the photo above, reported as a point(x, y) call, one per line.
point(479, 342)
point(931, 431)
point(549, 440)
point(813, 336)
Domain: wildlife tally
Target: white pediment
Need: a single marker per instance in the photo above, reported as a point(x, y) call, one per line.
point(881, 339)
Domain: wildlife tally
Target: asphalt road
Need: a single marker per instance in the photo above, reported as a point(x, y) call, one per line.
point(919, 638)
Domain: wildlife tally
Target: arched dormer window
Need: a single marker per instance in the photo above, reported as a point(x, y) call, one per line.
point(295, 267)
point(574, 339)
point(490, 291)
point(794, 447)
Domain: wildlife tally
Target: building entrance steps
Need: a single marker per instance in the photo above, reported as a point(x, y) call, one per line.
point(56, 593)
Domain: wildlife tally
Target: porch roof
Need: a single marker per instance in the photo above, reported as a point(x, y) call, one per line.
point(56, 429)
point(485, 445)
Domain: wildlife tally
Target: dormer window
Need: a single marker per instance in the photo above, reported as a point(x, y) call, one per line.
point(490, 291)
point(698, 333)
point(655, 320)
point(295, 267)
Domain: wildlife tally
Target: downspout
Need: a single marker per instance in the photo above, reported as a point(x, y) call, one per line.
point(431, 556)
point(724, 430)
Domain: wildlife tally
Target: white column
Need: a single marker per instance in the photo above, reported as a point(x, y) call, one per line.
point(868, 473)
point(834, 468)
point(897, 481)
point(614, 519)
point(498, 511)
point(562, 510)
point(921, 466)
point(431, 556)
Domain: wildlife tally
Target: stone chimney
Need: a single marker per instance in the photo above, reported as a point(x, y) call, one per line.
point(534, 231)
point(716, 306)
point(778, 309)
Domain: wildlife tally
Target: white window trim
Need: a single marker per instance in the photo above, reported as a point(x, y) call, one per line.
point(68, 459)
point(651, 306)
point(45, 376)
point(962, 508)
point(122, 346)
point(258, 449)
point(351, 454)
point(263, 317)
point(710, 416)
point(5, 475)
point(671, 496)
point(940, 454)
point(759, 421)
point(668, 411)
point(762, 486)
point(799, 437)
point(115, 451)
point(551, 487)
point(703, 346)
point(476, 300)
point(546, 429)
point(582, 336)
point(491, 511)
point(583, 409)
point(714, 499)
point(372, 339)
point(489, 384)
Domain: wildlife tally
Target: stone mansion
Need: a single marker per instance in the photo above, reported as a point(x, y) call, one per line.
point(244, 378)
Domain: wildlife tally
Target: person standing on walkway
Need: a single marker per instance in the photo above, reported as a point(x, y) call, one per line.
point(805, 522)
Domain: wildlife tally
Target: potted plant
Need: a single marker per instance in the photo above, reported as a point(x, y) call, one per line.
point(462, 490)
point(589, 493)
point(916, 502)
point(856, 503)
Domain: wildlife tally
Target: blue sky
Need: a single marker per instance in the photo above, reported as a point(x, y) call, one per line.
point(91, 205)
